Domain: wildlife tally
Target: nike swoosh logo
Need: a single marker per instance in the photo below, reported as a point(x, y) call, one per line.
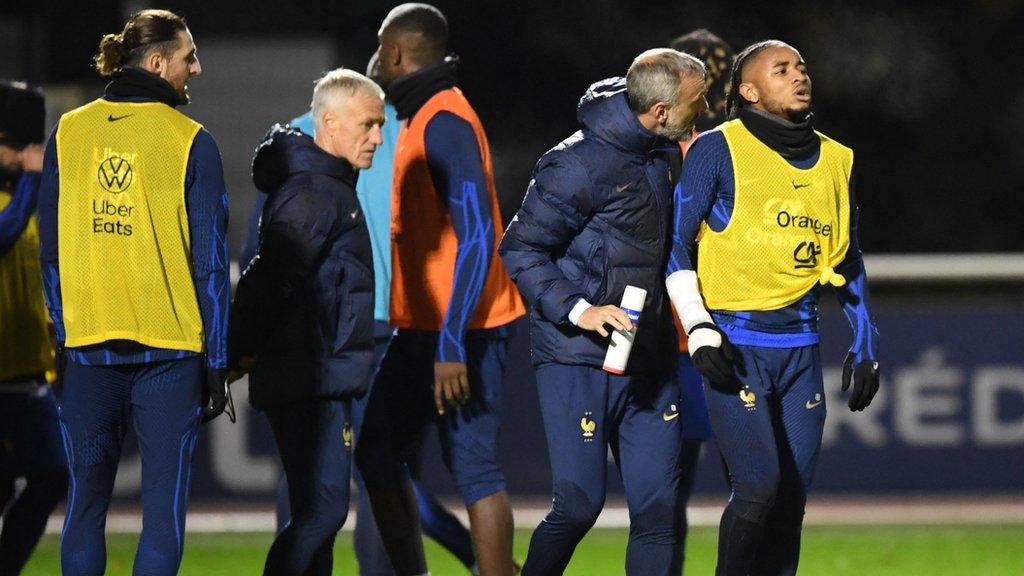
point(669, 417)
point(809, 405)
point(795, 185)
point(353, 214)
point(112, 118)
point(623, 188)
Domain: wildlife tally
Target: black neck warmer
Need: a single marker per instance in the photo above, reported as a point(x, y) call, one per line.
point(411, 91)
point(138, 83)
point(793, 140)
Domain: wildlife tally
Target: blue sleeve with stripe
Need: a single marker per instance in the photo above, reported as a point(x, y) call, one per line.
point(457, 170)
point(705, 192)
point(49, 192)
point(207, 206)
point(853, 296)
point(15, 216)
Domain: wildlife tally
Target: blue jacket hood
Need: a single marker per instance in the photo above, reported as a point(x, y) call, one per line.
point(604, 111)
point(285, 151)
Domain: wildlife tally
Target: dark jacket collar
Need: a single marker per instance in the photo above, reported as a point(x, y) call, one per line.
point(410, 92)
point(285, 151)
point(137, 84)
point(604, 112)
point(793, 140)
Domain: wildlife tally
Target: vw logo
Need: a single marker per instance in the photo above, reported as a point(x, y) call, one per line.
point(115, 174)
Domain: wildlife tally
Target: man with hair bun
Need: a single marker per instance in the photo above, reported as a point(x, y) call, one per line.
point(133, 223)
point(302, 318)
point(772, 201)
point(595, 220)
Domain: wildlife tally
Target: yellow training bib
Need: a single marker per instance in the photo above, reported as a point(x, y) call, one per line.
point(25, 348)
point(124, 247)
point(789, 226)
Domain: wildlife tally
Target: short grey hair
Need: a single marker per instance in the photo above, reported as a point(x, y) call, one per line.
point(654, 76)
point(335, 87)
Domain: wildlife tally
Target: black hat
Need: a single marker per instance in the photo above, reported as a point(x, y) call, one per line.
point(22, 115)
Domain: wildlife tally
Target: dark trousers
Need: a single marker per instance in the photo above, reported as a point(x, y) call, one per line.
point(770, 436)
point(162, 401)
point(30, 448)
point(586, 411)
point(437, 522)
point(314, 440)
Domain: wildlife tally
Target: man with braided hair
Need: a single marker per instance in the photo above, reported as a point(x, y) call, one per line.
point(773, 204)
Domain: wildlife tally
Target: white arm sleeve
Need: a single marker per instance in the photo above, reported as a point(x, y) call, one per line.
point(685, 295)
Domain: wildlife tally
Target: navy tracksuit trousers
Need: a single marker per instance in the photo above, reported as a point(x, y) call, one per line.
point(586, 411)
point(437, 522)
point(315, 440)
point(162, 401)
point(770, 436)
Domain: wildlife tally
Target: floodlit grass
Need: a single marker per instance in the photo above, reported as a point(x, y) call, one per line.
point(947, 550)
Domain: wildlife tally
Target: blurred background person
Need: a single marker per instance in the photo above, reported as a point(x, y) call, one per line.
point(717, 55)
point(133, 226)
point(450, 300)
point(30, 444)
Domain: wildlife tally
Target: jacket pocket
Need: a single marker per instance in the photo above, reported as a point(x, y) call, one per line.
point(354, 327)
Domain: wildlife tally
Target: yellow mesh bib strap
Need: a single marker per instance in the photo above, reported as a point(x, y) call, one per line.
point(788, 230)
point(124, 246)
point(24, 343)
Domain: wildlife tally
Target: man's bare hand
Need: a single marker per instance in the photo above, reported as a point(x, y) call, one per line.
point(451, 384)
point(595, 318)
point(32, 158)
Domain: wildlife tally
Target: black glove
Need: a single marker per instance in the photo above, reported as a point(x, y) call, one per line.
point(865, 382)
point(218, 395)
point(717, 363)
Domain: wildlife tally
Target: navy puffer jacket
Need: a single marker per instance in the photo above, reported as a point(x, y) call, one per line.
point(304, 305)
point(597, 217)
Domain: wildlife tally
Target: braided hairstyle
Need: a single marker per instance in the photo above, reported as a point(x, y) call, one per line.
point(734, 101)
point(144, 32)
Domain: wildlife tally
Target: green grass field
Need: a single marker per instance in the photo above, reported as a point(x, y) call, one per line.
point(827, 551)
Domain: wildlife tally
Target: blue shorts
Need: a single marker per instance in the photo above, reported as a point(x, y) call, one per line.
point(29, 433)
point(693, 405)
point(401, 404)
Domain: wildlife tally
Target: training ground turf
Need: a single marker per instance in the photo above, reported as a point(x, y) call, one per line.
point(948, 550)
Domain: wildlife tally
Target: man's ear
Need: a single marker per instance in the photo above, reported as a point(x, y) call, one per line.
point(154, 62)
point(660, 112)
point(749, 93)
point(391, 52)
point(328, 120)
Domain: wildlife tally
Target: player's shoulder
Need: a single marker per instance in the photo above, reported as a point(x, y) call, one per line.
point(709, 146)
